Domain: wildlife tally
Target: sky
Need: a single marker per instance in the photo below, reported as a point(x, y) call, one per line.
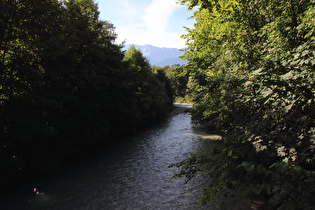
point(155, 22)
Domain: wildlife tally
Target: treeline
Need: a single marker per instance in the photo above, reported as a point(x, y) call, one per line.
point(177, 81)
point(252, 64)
point(66, 87)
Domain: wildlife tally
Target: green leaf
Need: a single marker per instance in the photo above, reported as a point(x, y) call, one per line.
point(297, 170)
point(267, 187)
point(282, 168)
point(261, 170)
point(276, 176)
point(305, 52)
point(256, 188)
point(248, 166)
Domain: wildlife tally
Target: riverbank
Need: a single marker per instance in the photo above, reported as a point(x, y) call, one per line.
point(180, 108)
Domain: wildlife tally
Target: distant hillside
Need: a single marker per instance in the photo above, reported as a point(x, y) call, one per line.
point(160, 56)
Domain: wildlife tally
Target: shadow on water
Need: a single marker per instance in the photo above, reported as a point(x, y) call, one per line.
point(131, 174)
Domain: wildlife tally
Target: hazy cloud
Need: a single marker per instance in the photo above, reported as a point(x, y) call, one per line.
point(158, 14)
point(146, 22)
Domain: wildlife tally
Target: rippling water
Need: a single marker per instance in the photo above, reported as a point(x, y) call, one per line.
point(133, 174)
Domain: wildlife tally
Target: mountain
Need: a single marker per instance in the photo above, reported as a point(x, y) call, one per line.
point(160, 56)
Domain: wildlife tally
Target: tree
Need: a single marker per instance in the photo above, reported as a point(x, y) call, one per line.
point(146, 86)
point(65, 88)
point(253, 73)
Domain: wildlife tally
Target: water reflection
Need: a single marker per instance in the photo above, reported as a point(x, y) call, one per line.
point(132, 174)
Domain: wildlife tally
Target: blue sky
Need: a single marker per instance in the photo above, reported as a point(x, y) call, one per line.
point(155, 22)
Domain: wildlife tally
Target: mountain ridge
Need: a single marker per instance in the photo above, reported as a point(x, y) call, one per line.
point(160, 56)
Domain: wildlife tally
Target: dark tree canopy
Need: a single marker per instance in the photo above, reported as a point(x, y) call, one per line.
point(66, 87)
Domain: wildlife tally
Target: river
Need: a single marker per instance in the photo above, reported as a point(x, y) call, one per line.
point(131, 174)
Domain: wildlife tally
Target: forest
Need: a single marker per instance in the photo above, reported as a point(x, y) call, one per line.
point(251, 69)
point(66, 87)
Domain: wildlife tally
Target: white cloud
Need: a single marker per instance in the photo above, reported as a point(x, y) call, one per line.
point(148, 24)
point(157, 15)
point(156, 18)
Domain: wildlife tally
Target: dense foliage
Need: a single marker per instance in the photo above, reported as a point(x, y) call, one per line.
point(175, 79)
point(65, 86)
point(252, 63)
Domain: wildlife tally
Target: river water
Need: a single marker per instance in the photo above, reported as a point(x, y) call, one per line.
point(131, 174)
